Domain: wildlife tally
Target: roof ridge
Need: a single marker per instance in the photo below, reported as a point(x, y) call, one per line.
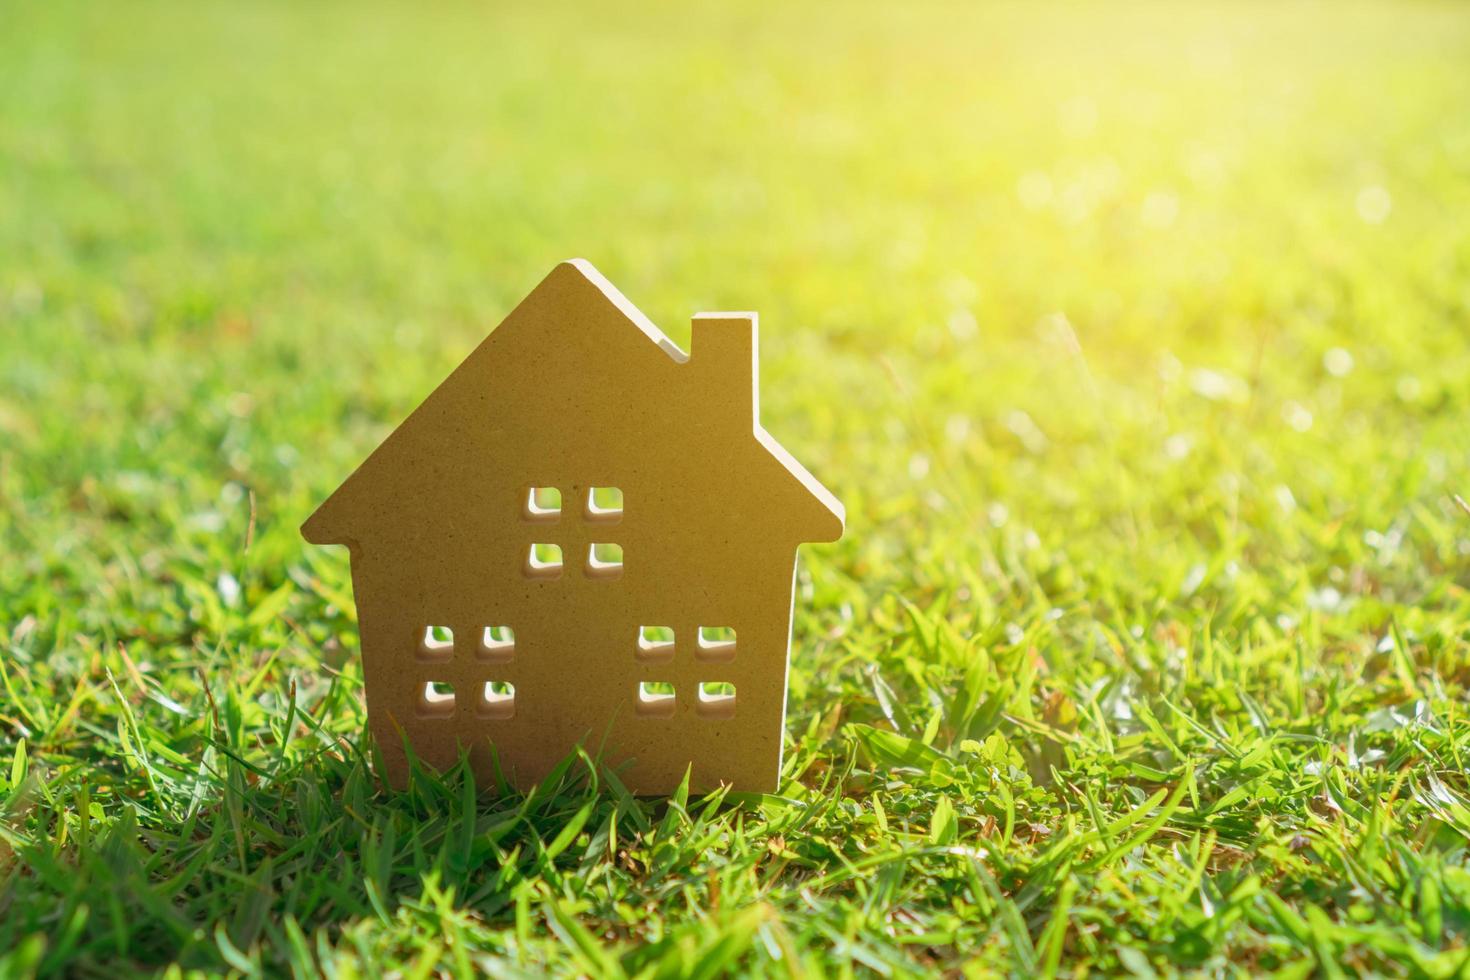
point(626, 307)
point(330, 524)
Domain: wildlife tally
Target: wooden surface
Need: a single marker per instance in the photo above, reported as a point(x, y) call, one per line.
point(450, 520)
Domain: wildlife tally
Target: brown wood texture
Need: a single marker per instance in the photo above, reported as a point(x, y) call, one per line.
point(577, 390)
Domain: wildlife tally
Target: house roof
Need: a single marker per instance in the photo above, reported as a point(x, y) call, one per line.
point(345, 517)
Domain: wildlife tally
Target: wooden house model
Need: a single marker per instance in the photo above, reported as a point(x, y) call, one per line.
point(582, 536)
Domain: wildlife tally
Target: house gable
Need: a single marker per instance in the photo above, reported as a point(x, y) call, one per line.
point(539, 373)
point(485, 618)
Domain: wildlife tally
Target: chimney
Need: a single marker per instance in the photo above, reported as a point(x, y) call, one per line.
point(723, 352)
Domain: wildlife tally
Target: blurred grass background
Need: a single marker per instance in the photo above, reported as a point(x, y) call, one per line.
point(1133, 336)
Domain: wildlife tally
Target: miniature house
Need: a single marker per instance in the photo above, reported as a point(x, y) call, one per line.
point(583, 536)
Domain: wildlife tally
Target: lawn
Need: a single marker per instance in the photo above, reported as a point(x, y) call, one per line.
point(1134, 339)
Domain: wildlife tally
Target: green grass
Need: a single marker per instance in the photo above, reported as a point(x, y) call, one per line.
point(1134, 339)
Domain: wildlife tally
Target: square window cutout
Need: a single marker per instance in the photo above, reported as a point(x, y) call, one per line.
point(541, 504)
point(604, 560)
point(436, 699)
point(655, 644)
point(655, 699)
point(544, 561)
point(716, 644)
point(497, 644)
point(437, 643)
point(716, 700)
point(498, 700)
point(604, 504)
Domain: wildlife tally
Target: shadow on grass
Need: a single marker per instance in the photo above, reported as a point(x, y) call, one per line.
point(320, 847)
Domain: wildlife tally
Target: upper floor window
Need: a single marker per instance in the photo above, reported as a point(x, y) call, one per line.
point(543, 560)
point(604, 560)
point(601, 505)
point(604, 505)
point(542, 504)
